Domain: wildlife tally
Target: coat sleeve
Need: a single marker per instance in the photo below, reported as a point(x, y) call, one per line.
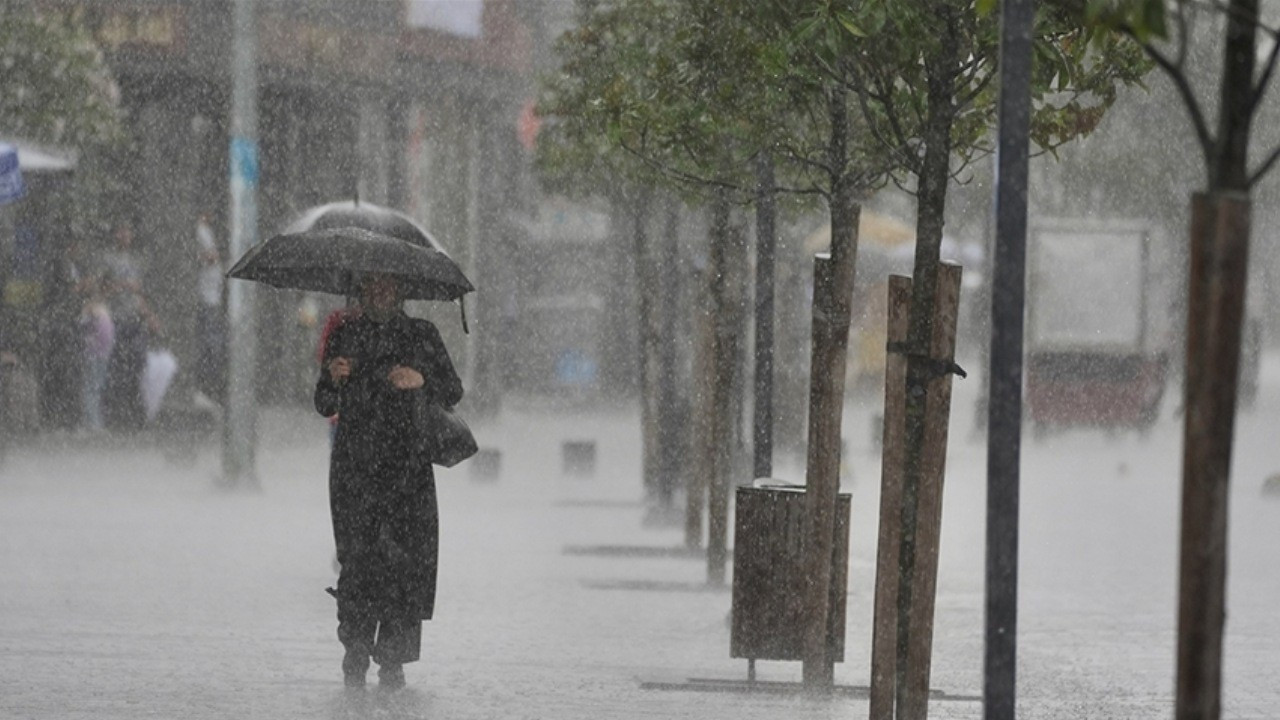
point(328, 397)
point(442, 382)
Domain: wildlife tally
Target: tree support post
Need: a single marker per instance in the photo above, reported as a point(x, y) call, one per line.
point(915, 665)
point(885, 613)
point(832, 300)
point(924, 584)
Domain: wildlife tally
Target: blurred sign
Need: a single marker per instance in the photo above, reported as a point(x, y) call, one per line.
point(456, 17)
point(154, 27)
point(575, 368)
point(11, 187)
point(285, 41)
point(157, 27)
point(1087, 286)
point(244, 161)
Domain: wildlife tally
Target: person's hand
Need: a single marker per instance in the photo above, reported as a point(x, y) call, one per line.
point(339, 369)
point(405, 378)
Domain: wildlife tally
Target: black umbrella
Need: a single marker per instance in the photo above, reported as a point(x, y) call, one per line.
point(333, 260)
point(383, 220)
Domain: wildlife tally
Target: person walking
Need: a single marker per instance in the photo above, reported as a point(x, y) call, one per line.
point(99, 334)
point(60, 370)
point(378, 365)
point(210, 336)
point(135, 324)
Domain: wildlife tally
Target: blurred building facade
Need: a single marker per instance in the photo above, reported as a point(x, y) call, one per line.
point(415, 104)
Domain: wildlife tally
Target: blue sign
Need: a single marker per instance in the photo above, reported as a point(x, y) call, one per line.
point(575, 367)
point(244, 160)
point(11, 187)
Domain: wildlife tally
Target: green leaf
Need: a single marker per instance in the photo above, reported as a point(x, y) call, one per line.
point(846, 21)
point(1153, 18)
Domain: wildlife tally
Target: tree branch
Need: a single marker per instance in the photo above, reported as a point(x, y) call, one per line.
point(1179, 78)
point(898, 145)
point(1260, 89)
point(803, 158)
point(810, 190)
point(1183, 32)
point(1231, 12)
point(901, 185)
point(1264, 168)
point(963, 100)
point(685, 176)
point(677, 174)
point(911, 159)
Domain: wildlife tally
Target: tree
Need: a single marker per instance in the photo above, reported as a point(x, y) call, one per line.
point(55, 86)
point(697, 94)
point(922, 73)
point(577, 155)
point(1219, 243)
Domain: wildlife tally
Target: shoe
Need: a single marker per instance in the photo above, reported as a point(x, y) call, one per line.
point(354, 665)
point(391, 676)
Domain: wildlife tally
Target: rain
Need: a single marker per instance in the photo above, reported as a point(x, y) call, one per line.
point(639, 358)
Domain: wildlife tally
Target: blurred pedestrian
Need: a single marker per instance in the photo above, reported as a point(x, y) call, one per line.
point(210, 318)
point(377, 365)
point(61, 360)
point(123, 407)
point(122, 261)
point(99, 334)
point(8, 362)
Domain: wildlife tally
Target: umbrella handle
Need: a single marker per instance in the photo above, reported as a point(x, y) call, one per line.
point(462, 307)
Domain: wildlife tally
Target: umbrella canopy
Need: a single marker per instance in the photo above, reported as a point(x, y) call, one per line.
point(333, 260)
point(383, 220)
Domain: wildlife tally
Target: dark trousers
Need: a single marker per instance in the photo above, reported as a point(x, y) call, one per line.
point(210, 362)
point(388, 642)
point(122, 399)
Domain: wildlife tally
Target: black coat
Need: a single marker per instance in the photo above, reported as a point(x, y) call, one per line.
point(381, 488)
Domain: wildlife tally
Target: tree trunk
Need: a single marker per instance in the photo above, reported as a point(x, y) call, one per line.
point(670, 435)
point(1235, 112)
point(649, 342)
point(931, 206)
point(728, 264)
point(1216, 293)
point(833, 299)
point(704, 401)
point(762, 410)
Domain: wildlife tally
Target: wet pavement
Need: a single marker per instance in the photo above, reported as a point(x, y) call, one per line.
point(135, 588)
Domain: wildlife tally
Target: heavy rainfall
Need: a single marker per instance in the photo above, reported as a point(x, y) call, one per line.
point(639, 358)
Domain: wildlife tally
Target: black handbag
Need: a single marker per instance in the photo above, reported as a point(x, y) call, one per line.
point(445, 437)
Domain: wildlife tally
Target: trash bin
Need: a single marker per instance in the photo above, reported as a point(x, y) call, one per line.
point(769, 575)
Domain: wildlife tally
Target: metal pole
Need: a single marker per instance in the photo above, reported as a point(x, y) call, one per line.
point(1004, 434)
point(239, 425)
point(766, 236)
